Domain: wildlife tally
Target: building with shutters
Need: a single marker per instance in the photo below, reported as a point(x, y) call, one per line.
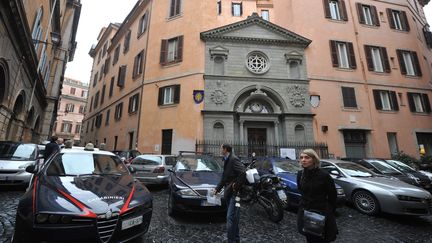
point(356, 76)
point(37, 39)
point(71, 110)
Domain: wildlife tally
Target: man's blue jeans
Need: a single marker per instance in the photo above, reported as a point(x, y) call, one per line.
point(233, 218)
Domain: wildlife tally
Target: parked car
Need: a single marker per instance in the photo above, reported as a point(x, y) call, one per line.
point(153, 169)
point(127, 155)
point(372, 193)
point(83, 195)
point(192, 178)
point(14, 158)
point(287, 171)
point(423, 180)
point(380, 166)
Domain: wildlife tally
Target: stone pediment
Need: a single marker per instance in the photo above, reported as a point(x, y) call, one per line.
point(255, 29)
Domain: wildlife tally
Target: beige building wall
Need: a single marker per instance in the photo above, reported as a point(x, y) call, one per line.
point(306, 18)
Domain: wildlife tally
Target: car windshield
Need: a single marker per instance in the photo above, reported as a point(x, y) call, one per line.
point(400, 166)
point(384, 167)
point(17, 151)
point(355, 170)
point(198, 164)
point(286, 166)
point(72, 164)
point(147, 160)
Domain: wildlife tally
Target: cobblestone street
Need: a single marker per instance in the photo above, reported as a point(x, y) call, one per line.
point(255, 227)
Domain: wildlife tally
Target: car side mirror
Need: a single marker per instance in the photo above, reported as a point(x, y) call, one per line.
point(335, 172)
point(132, 169)
point(31, 169)
point(171, 170)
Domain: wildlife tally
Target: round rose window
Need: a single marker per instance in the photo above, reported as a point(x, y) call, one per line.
point(257, 63)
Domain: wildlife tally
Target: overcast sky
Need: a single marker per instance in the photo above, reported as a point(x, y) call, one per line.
point(96, 14)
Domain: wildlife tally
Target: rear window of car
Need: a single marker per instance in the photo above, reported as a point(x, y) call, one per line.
point(147, 160)
point(170, 161)
point(17, 151)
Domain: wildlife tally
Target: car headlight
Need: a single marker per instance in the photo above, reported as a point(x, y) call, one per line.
point(340, 191)
point(187, 192)
point(24, 166)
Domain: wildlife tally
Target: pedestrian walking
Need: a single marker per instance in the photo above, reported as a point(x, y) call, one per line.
point(232, 179)
point(51, 148)
point(318, 200)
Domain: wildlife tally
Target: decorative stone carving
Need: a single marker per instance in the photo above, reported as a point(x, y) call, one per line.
point(219, 96)
point(258, 91)
point(257, 62)
point(294, 57)
point(219, 51)
point(297, 95)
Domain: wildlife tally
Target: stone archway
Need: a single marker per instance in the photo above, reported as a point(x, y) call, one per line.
point(17, 121)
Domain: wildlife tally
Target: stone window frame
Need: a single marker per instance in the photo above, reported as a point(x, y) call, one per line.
point(262, 54)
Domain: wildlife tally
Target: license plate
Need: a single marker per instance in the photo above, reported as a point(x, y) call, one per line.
point(282, 195)
point(204, 203)
point(128, 223)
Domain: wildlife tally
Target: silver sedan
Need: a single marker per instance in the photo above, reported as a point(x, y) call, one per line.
point(371, 193)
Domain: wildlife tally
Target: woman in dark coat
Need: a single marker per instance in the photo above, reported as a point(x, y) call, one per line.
point(318, 194)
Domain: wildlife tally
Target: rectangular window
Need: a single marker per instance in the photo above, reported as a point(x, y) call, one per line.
point(342, 54)
point(103, 94)
point(171, 50)
point(107, 117)
point(91, 104)
point(133, 104)
point(138, 65)
point(81, 109)
point(392, 141)
point(334, 10)
point(111, 87)
point(419, 102)
point(78, 129)
point(237, 9)
point(104, 50)
point(101, 71)
point(107, 65)
point(143, 24)
point(84, 93)
point(69, 107)
point(66, 127)
point(116, 55)
point(175, 8)
point(96, 100)
point(367, 14)
point(398, 20)
point(72, 91)
point(121, 76)
point(409, 63)
point(265, 15)
point(126, 42)
point(219, 7)
point(385, 100)
point(95, 79)
point(169, 95)
point(349, 98)
point(377, 59)
point(118, 111)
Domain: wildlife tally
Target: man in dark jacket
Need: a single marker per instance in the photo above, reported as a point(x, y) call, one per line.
point(232, 179)
point(51, 148)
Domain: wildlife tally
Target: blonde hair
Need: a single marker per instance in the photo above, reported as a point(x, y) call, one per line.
point(315, 158)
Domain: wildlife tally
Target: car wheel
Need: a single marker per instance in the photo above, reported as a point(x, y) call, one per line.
point(366, 203)
point(171, 211)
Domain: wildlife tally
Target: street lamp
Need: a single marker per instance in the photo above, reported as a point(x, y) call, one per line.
point(55, 39)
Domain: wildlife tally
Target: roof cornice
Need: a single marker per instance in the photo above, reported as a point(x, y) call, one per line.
point(291, 38)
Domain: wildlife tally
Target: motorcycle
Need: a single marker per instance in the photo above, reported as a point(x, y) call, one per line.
point(266, 190)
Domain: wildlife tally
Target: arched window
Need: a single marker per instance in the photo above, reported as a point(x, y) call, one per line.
point(218, 132)
point(300, 135)
point(2, 83)
point(258, 106)
point(19, 105)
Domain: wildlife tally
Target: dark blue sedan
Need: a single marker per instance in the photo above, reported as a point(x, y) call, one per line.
point(193, 177)
point(287, 171)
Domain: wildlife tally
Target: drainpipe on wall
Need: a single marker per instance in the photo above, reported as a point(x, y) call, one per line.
point(143, 75)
